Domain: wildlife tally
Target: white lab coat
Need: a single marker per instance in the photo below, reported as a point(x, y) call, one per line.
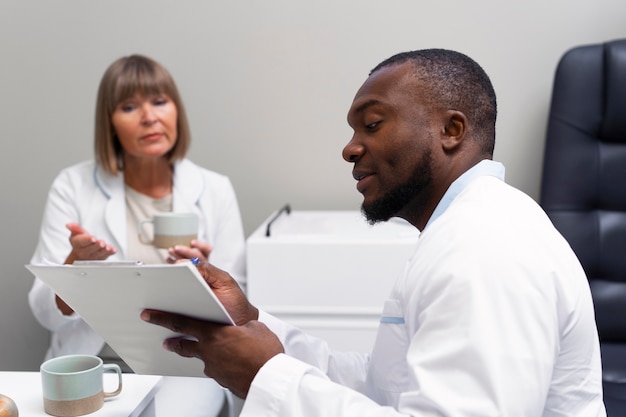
point(492, 317)
point(85, 194)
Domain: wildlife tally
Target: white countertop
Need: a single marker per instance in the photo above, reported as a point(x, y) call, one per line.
point(137, 392)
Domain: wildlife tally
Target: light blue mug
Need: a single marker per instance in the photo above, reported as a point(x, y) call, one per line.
point(72, 385)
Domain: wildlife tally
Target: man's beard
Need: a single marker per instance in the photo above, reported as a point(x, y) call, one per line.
point(390, 204)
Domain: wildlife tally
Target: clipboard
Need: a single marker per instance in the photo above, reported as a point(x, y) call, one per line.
point(109, 296)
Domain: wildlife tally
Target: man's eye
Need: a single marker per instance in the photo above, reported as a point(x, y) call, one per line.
point(372, 126)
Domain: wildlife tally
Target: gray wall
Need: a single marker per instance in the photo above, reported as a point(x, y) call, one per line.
point(267, 85)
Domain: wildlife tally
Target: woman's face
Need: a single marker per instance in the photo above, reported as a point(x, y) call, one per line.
point(146, 126)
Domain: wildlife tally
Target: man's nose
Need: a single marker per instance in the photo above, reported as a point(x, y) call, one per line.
point(352, 151)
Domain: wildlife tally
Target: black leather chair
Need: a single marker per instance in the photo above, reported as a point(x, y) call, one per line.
point(584, 189)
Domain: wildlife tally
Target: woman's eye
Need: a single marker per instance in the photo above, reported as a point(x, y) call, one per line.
point(127, 107)
point(159, 101)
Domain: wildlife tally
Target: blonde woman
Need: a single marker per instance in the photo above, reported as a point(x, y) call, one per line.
point(141, 140)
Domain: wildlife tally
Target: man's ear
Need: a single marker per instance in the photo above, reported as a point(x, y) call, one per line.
point(455, 129)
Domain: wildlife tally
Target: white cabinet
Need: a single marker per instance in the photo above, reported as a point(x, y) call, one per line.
point(328, 272)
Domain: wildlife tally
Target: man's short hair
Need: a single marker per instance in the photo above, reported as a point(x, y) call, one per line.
point(452, 80)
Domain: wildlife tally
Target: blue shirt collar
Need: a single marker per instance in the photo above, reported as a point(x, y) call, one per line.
point(485, 167)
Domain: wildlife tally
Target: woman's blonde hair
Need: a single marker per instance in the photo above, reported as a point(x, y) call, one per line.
point(121, 81)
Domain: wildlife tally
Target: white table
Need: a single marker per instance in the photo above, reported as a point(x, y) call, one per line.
point(138, 392)
point(137, 399)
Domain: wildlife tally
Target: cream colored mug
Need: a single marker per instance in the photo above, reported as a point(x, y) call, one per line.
point(169, 229)
point(72, 385)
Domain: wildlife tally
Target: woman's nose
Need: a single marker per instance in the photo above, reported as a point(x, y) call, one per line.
point(148, 116)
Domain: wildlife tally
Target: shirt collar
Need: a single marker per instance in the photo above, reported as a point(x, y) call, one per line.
point(485, 167)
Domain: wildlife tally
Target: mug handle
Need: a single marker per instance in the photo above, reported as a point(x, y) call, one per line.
point(107, 367)
point(140, 229)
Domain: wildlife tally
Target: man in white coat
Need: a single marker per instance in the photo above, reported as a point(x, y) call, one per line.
point(493, 315)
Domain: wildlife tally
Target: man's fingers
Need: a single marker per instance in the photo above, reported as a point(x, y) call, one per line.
point(172, 321)
point(182, 346)
point(178, 323)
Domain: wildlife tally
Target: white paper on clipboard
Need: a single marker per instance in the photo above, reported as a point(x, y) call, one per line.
point(110, 298)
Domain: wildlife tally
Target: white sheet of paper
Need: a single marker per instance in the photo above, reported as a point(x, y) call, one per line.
point(110, 297)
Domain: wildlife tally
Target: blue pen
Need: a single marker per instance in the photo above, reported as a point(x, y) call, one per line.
point(198, 261)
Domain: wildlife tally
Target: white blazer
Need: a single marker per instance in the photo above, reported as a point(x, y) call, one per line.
point(86, 194)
